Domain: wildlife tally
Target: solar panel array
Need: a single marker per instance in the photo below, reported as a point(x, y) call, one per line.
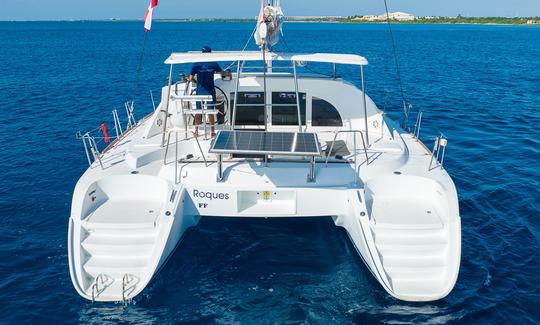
point(271, 143)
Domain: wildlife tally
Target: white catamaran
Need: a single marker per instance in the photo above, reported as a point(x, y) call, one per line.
point(289, 145)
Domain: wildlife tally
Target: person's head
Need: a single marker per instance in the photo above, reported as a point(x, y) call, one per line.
point(206, 49)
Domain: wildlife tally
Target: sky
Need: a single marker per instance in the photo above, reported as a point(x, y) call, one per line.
point(134, 9)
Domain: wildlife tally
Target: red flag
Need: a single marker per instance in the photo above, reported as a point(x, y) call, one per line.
point(106, 136)
point(148, 15)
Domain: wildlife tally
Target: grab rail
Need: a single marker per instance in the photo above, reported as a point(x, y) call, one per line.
point(418, 124)
point(152, 98)
point(129, 112)
point(355, 149)
point(117, 124)
point(90, 146)
point(176, 155)
point(125, 281)
point(440, 142)
point(95, 288)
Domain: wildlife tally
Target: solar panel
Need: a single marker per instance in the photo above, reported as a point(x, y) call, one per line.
point(268, 143)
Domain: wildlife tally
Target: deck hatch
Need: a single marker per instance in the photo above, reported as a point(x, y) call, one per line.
point(268, 143)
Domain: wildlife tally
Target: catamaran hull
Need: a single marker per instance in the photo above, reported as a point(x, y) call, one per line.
point(401, 273)
point(115, 249)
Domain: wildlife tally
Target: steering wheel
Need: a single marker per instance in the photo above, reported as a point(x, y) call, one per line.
point(222, 102)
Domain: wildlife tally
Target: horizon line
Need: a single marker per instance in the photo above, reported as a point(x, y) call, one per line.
point(112, 19)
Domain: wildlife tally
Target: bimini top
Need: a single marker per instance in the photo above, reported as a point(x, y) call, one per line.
point(192, 57)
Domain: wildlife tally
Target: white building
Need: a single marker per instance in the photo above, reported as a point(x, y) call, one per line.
point(399, 16)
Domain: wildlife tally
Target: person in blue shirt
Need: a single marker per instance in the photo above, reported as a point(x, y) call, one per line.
point(203, 75)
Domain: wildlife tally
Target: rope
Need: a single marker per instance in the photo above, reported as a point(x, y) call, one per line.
point(244, 49)
point(398, 70)
point(139, 67)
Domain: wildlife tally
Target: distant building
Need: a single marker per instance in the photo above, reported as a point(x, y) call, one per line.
point(313, 18)
point(371, 18)
point(533, 22)
point(399, 16)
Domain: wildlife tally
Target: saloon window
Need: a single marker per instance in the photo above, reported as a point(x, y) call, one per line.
point(324, 113)
point(250, 108)
point(284, 108)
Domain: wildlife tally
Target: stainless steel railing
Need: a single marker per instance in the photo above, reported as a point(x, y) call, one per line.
point(418, 124)
point(355, 149)
point(129, 106)
point(438, 152)
point(117, 124)
point(90, 147)
point(126, 279)
point(177, 152)
point(95, 287)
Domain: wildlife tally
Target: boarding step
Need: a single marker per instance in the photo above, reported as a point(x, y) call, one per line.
point(93, 225)
point(124, 214)
point(415, 272)
point(116, 267)
point(413, 249)
point(111, 246)
point(405, 213)
point(403, 226)
point(427, 287)
point(409, 236)
point(123, 238)
point(419, 261)
point(123, 233)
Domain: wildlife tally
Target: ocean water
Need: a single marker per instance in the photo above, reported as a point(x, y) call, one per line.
point(479, 85)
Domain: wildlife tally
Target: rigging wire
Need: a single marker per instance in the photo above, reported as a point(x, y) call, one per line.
point(243, 49)
point(139, 67)
point(396, 61)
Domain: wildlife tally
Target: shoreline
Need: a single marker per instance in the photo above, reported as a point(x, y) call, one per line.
point(246, 20)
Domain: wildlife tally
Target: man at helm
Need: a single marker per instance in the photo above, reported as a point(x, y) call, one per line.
point(203, 75)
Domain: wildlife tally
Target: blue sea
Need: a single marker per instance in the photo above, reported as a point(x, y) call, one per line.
point(479, 85)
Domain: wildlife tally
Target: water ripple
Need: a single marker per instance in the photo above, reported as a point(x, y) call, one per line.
point(477, 84)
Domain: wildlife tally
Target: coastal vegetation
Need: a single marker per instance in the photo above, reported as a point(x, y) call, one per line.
point(417, 20)
point(457, 20)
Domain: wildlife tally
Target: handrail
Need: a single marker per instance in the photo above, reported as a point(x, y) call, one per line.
point(152, 98)
point(89, 141)
point(125, 282)
point(200, 149)
point(90, 146)
point(95, 288)
point(167, 144)
point(440, 142)
point(418, 124)
point(117, 124)
point(207, 107)
point(129, 112)
point(355, 149)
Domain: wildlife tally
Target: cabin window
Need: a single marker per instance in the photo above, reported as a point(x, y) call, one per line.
point(284, 108)
point(324, 113)
point(250, 109)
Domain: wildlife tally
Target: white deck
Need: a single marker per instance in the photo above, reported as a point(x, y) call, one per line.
point(135, 213)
